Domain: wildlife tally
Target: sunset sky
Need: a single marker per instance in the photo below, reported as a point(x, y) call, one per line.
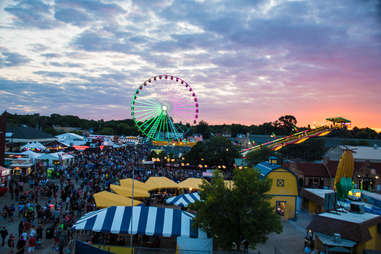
point(249, 61)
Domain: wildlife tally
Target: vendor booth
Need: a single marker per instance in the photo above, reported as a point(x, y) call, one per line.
point(127, 183)
point(59, 158)
point(106, 199)
point(191, 183)
point(33, 146)
point(158, 183)
point(127, 191)
point(149, 221)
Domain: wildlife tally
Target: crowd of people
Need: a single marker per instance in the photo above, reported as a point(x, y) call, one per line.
point(45, 206)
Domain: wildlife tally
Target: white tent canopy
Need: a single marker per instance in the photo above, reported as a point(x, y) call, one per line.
point(33, 145)
point(32, 155)
point(71, 139)
point(55, 157)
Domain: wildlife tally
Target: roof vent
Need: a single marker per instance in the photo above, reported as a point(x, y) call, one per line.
point(357, 207)
point(337, 237)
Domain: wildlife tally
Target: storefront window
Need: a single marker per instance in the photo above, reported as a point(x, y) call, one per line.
point(280, 207)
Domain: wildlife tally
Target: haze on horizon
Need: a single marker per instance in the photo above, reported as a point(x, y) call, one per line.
point(248, 61)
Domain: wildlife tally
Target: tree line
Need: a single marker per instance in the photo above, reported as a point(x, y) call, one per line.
point(284, 125)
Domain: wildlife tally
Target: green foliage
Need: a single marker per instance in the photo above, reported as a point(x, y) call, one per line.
point(230, 216)
point(310, 150)
point(203, 129)
point(258, 156)
point(342, 188)
point(214, 151)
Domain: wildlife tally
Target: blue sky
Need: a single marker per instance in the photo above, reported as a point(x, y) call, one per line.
point(248, 61)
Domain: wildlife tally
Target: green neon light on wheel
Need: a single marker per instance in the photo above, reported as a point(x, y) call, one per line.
point(161, 107)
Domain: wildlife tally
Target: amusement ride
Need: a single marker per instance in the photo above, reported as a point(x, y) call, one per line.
point(164, 107)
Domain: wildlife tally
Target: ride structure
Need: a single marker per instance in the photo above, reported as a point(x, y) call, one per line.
point(164, 107)
point(299, 137)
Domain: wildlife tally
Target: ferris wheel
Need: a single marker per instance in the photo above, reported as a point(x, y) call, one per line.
point(164, 107)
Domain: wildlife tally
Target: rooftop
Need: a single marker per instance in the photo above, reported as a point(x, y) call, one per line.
point(27, 133)
point(329, 240)
point(266, 167)
point(319, 192)
point(350, 217)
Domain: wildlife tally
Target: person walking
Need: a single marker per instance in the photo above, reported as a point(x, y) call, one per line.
point(32, 244)
point(3, 233)
point(11, 241)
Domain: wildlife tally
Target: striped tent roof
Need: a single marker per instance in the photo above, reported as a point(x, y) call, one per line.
point(150, 220)
point(183, 200)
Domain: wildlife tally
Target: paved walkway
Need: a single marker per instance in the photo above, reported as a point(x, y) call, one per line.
point(291, 240)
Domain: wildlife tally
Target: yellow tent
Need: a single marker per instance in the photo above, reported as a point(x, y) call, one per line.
point(127, 191)
point(127, 183)
point(105, 199)
point(156, 182)
point(346, 166)
point(229, 184)
point(191, 183)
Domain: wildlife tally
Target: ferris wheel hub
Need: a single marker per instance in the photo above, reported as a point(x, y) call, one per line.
point(164, 108)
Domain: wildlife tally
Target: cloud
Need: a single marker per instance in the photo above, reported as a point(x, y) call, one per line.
point(32, 13)
point(82, 12)
point(248, 61)
point(11, 59)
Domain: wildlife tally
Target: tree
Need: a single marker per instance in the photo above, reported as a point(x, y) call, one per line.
point(213, 152)
point(242, 213)
point(258, 156)
point(203, 129)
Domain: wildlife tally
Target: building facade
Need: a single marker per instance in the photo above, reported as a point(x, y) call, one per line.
point(284, 189)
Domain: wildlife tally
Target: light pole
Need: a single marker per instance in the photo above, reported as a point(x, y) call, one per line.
point(132, 201)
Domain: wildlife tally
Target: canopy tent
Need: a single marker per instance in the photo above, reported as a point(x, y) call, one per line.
point(160, 182)
point(33, 145)
point(32, 155)
point(183, 200)
point(148, 220)
point(127, 191)
point(127, 182)
point(191, 183)
point(71, 139)
point(106, 199)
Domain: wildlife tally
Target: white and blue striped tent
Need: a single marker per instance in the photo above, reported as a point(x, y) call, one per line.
point(146, 220)
point(183, 200)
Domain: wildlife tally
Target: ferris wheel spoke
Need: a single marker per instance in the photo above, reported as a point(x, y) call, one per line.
point(153, 130)
point(145, 116)
point(171, 125)
point(143, 110)
point(146, 120)
point(149, 123)
point(145, 104)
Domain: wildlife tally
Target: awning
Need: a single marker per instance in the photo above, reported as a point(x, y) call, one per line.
point(191, 183)
point(143, 220)
point(106, 199)
point(127, 182)
point(156, 182)
point(183, 200)
point(127, 191)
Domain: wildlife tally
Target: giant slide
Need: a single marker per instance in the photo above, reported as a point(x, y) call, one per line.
point(295, 138)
